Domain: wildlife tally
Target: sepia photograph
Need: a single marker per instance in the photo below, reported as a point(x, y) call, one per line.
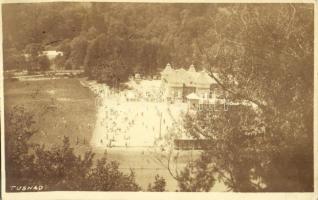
point(158, 97)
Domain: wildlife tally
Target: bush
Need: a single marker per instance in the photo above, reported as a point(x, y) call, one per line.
point(159, 185)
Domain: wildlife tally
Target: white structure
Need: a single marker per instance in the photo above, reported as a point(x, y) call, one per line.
point(52, 54)
point(193, 100)
point(179, 83)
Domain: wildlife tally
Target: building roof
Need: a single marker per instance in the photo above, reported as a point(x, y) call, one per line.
point(52, 54)
point(204, 78)
point(168, 69)
point(190, 77)
point(193, 96)
point(192, 68)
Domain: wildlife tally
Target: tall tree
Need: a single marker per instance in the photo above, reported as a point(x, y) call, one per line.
point(268, 51)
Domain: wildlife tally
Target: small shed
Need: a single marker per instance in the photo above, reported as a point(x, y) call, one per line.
point(193, 100)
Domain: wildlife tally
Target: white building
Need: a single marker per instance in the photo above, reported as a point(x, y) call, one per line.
point(178, 83)
point(52, 54)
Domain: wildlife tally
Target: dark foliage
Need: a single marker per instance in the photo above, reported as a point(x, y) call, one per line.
point(59, 168)
point(158, 185)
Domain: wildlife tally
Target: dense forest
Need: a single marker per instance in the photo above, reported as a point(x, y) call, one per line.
point(103, 37)
point(116, 39)
point(267, 48)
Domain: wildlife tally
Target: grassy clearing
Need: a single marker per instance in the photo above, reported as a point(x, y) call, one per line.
point(61, 107)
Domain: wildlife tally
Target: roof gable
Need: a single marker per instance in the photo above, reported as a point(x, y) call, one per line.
point(189, 77)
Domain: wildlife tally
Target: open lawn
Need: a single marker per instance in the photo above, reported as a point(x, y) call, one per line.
point(61, 107)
